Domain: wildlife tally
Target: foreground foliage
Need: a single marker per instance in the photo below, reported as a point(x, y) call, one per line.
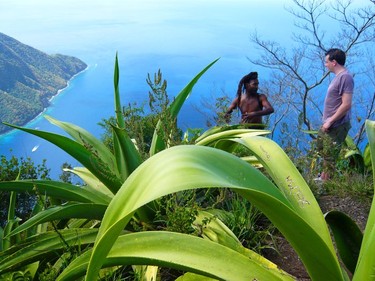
point(87, 230)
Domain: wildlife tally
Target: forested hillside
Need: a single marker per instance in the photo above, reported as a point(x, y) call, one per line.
point(29, 78)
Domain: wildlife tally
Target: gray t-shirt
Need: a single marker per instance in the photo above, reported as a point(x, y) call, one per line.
point(342, 83)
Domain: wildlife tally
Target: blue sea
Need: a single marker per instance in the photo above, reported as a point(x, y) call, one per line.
point(178, 37)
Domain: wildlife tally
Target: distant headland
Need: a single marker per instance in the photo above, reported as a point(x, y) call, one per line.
point(29, 78)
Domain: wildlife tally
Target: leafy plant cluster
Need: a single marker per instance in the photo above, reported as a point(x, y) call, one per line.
point(21, 168)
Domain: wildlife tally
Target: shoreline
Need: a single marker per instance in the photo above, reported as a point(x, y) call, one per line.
point(62, 89)
point(59, 91)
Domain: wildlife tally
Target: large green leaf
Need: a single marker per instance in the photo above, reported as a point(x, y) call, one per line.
point(68, 211)
point(85, 154)
point(348, 237)
point(218, 129)
point(126, 155)
point(180, 251)
point(1, 238)
point(210, 227)
point(11, 222)
point(158, 143)
point(91, 143)
point(43, 246)
point(367, 157)
point(365, 269)
point(222, 138)
point(6, 242)
point(211, 139)
point(126, 151)
point(287, 178)
point(92, 183)
point(353, 152)
point(194, 277)
point(185, 167)
point(60, 190)
point(290, 181)
point(118, 109)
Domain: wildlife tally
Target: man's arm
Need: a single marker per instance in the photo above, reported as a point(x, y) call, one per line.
point(341, 111)
point(232, 106)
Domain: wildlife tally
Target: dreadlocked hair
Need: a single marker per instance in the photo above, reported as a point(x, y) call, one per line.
point(241, 84)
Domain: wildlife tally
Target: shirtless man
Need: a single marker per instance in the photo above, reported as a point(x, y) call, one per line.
point(251, 104)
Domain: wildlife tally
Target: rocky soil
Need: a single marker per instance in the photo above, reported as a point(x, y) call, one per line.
point(286, 258)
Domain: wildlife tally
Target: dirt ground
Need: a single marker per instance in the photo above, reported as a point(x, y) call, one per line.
point(288, 260)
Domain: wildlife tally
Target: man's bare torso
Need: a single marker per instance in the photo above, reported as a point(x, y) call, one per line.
point(250, 103)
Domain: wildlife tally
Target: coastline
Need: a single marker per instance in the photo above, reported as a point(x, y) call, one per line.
point(34, 118)
point(62, 89)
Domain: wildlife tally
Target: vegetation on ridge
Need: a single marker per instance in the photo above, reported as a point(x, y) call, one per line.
point(29, 78)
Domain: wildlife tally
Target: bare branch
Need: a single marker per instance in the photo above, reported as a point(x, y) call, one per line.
point(358, 26)
point(310, 14)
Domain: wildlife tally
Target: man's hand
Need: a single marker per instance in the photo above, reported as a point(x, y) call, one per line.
point(327, 124)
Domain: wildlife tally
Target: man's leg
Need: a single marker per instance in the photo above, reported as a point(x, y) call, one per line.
point(330, 146)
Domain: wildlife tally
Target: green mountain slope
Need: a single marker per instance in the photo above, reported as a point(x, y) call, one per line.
point(29, 78)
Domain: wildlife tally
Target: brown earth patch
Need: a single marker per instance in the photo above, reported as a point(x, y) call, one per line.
point(285, 256)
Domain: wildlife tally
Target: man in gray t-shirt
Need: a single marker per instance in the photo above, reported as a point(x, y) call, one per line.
point(337, 111)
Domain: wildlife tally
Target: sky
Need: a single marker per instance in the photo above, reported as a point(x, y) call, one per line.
point(190, 26)
point(40, 23)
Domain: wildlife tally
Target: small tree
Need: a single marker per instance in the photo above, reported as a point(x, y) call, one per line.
point(23, 168)
point(141, 125)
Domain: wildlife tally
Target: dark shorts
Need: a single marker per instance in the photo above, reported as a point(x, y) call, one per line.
point(329, 144)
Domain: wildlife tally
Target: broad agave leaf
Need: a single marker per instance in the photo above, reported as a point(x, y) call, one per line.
point(348, 237)
point(5, 241)
point(93, 184)
point(86, 154)
point(11, 223)
point(212, 228)
point(118, 109)
point(287, 178)
point(158, 143)
point(217, 129)
point(187, 167)
point(221, 138)
point(180, 251)
point(252, 160)
point(126, 154)
point(146, 272)
point(54, 189)
point(194, 277)
point(290, 182)
point(68, 211)
point(212, 139)
point(367, 157)
point(365, 269)
point(42, 246)
point(86, 139)
point(353, 152)
point(1, 239)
